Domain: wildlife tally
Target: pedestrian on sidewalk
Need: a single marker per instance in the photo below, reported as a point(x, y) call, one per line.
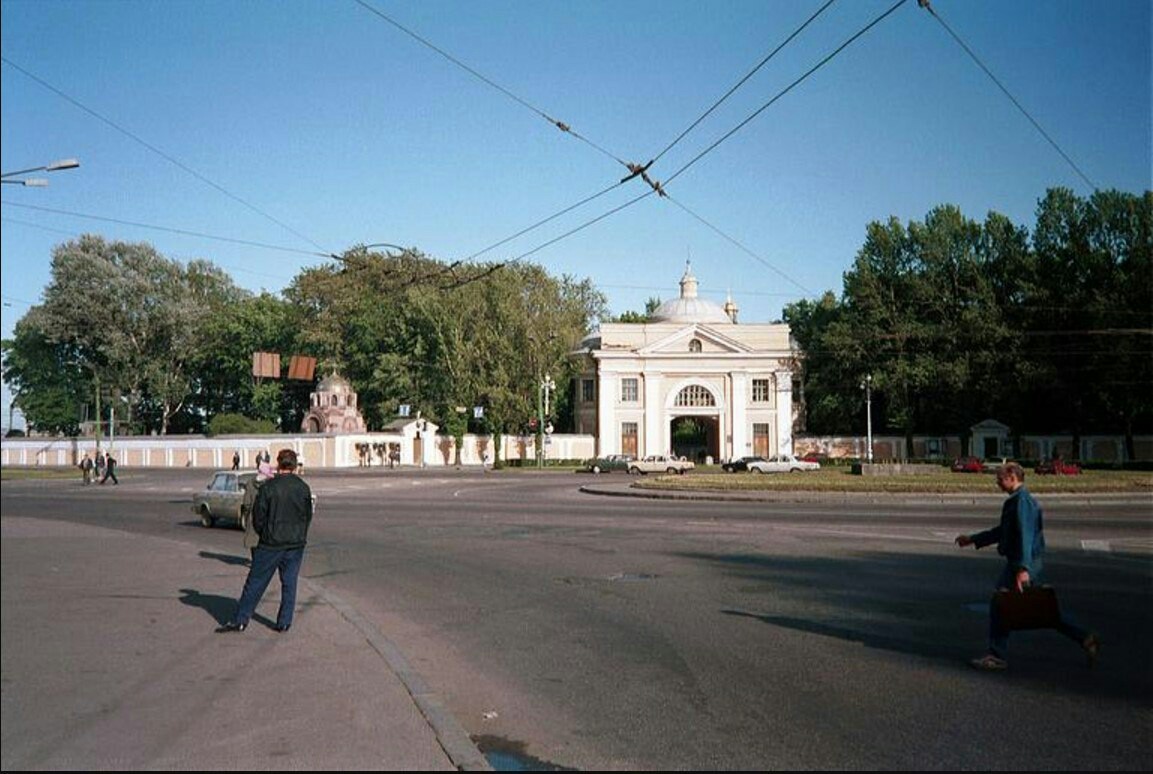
point(281, 514)
point(1020, 538)
point(86, 467)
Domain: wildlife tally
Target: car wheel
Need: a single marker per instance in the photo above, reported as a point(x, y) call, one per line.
point(634, 471)
point(206, 517)
point(596, 468)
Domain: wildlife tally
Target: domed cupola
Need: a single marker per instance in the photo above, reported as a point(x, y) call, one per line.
point(689, 308)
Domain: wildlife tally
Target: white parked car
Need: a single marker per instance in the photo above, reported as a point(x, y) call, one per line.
point(661, 463)
point(782, 463)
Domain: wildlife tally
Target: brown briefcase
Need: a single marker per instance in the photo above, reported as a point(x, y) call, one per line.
point(1034, 608)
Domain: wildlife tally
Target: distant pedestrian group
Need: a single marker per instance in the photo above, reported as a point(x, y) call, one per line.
point(100, 470)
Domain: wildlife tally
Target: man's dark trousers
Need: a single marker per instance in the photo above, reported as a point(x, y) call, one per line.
point(266, 561)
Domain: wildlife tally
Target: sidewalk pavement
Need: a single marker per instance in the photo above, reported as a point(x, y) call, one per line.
point(110, 661)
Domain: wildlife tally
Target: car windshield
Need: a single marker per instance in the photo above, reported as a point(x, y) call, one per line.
point(223, 482)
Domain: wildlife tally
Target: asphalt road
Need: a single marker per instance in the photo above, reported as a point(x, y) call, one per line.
point(605, 632)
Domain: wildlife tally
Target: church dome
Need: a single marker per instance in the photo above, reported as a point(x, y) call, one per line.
point(689, 308)
point(334, 383)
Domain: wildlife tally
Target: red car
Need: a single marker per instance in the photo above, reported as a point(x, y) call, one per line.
point(968, 465)
point(1057, 468)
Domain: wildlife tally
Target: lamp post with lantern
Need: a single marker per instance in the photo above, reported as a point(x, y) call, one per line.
point(867, 386)
point(37, 182)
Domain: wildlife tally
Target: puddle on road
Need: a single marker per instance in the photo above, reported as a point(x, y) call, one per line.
point(508, 755)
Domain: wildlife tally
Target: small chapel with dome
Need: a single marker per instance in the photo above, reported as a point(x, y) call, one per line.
point(333, 409)
point(691, 381)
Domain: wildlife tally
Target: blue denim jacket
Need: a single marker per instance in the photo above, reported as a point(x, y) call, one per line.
point(1020, 536)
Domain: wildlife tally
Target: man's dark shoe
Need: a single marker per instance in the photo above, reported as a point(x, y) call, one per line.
point(282, 628)
point(232, 626)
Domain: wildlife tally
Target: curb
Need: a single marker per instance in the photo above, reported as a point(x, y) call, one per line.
point(450, 734)
point(911, 498)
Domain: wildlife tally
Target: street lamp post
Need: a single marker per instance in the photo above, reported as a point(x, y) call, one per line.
point(542, 407)
point(38, 182)
point(867, 386)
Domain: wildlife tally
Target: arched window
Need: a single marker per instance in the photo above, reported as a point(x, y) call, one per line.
point(694, 396)
point(695, 345)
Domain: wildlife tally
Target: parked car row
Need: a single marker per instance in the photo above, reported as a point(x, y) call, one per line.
point(661, 463)
point(609, 463)
point(781, 463)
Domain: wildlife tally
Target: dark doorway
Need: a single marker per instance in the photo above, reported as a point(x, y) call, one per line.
point(695, 438)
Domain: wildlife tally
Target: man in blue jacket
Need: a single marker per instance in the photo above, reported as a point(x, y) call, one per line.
point(1020, 538)
point(281, 515)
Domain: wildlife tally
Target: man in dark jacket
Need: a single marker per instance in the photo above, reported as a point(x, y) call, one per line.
point(281, 515)
point(1020, 538)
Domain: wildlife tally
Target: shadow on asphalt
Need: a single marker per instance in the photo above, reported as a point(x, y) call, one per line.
point(220, 608)
point(933, 607)
point(232, 559)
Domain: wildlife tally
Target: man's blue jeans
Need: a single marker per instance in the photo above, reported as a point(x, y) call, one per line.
point(999, 635)
point(266, 561)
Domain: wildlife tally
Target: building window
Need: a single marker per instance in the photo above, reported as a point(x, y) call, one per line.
point(588, 390)
point(695, 345)
point(761, 390)
point(630, 390)
point(695, 396)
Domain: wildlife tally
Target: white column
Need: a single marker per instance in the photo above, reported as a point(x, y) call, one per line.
point(608, 433)
point(784, 396)
point(739, 421)
point(656, 439)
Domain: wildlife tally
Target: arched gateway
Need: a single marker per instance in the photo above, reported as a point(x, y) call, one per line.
point(691, 381)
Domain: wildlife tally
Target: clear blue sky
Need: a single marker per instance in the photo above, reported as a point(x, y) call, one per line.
point(345, 129)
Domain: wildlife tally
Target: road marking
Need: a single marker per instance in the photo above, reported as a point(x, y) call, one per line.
point(1096, 545)
point(866, 535)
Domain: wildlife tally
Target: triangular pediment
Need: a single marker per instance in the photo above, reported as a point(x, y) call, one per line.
point(712, 342)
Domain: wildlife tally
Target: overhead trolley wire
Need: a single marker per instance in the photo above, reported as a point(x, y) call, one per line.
point(972, 55)
point(786, 90)
point(159, 152)
point(658, 188)
point(540, 223)
point(741, 82)
point(169, 229)
point(564, 127)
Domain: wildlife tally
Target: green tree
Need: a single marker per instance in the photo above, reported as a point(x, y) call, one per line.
point(132, 319)
point(49, 383)
point(407, 329)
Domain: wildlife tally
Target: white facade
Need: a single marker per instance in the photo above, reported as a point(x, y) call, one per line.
point(692, 366)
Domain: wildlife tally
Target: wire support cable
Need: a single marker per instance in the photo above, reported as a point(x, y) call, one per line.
point(786, 90)
point(564, 127)
point(167, 157)
point(740, 246)
point(742, 81)
point(972, 55)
